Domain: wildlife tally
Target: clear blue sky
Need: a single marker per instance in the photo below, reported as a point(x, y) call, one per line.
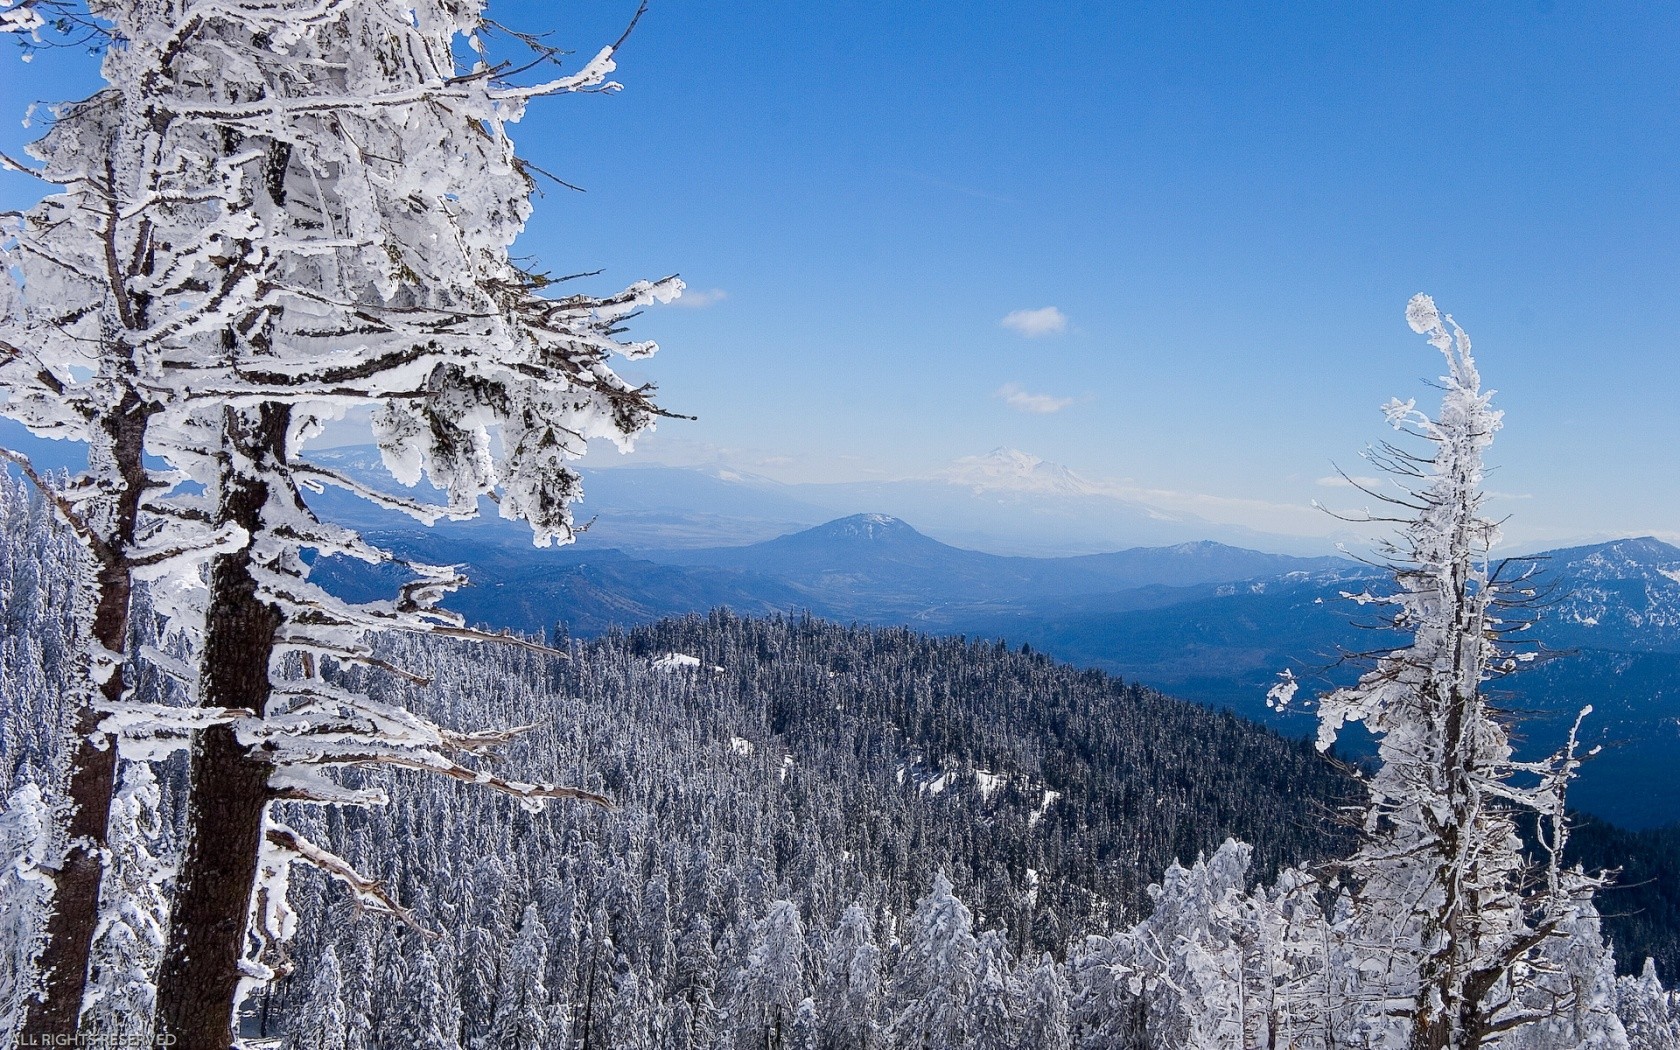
point(1228, 203)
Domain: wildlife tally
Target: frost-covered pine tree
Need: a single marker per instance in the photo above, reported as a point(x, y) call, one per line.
point(772, 983)
point(996, 1008)
point(25, 843)
point(322, 1024)
point(934, 980)
point(849, 991)
point(134, 907)
point(70, 361)
point(522, 1003)
point(1649, 1012)
point(277, 214)
point(1187, 960)
point(1045, 1024)
point(1451, 928)
point(1106, 1010)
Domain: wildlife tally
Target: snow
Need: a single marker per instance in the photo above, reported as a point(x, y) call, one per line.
point(740, 745)
point(987, 783)
point(19, 20)
point(676, 662)
point(1011, 470)
point(1043, 807)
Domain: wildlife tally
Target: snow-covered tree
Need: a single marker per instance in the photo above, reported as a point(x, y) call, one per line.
point(70, 370)
point(849, 990)
point(1188, 958)
point(1450, 927)
point(934, 980)
point(1045, 1021)
point(996, 1008)
point(522, 1005)
point(772, 983)
point(1649, 1012)
point(1104, 1010)
point(323, 1023)
point(134, 908)
point(276, 214)
point(25, 843)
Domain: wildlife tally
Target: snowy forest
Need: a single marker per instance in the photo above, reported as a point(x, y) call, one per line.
point(242, 809)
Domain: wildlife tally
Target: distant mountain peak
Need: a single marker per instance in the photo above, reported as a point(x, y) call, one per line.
point(1012, 470)
point(866, 527)
point(1641, 557)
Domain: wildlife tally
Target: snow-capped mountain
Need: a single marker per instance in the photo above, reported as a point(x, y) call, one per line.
point(879, 528)
point(1622, 594)
point(1011, 470)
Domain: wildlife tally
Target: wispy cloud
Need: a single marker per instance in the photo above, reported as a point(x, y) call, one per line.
point(955, 187)
point(1036, 324)
point(1337, 481)
point(700, 298)
point(1023, 401)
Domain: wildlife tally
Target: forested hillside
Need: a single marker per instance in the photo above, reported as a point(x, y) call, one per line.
point(789, 794)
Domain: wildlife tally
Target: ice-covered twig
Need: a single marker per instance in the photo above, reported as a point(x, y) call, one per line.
point(367, 892)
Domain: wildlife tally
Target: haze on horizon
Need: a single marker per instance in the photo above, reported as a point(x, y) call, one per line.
point(1166, 249)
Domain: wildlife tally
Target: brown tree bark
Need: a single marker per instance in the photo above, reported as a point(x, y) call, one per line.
point(62, 967)
point(200, 974)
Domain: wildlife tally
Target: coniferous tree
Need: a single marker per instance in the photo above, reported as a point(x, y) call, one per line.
point(772, 982)
point(522, 1005)
point(1450, 925)
point(247, 246)
point(1045, 1022)
point(996, 1010)
point(1649, 1012)
point(134, 910)
point(25, 845)
point(849, 994)
point(934, 980)
point(323, 1023)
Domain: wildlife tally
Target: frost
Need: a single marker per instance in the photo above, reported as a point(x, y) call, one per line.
point(1442, 885)
point(1421, 314)
point(20, 19)
point(323, 226)
point(1279, 695)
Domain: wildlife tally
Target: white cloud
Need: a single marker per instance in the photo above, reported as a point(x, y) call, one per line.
point(1337, 481)
point(1022, 401)
point(700, 298)
point(1036, 324)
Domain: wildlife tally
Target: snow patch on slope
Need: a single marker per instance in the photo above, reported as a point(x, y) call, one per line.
point(673, 662)
point(1050, 796)
point(676, 662)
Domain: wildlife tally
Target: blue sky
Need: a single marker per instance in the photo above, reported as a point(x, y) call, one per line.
point(1227, 205)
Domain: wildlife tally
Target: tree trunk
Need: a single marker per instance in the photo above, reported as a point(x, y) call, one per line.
point(70, 925)
point(199, 980)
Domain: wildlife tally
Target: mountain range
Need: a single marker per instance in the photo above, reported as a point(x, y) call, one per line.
point(1203, 620)
point(1207, 621)
point(1006, 501)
